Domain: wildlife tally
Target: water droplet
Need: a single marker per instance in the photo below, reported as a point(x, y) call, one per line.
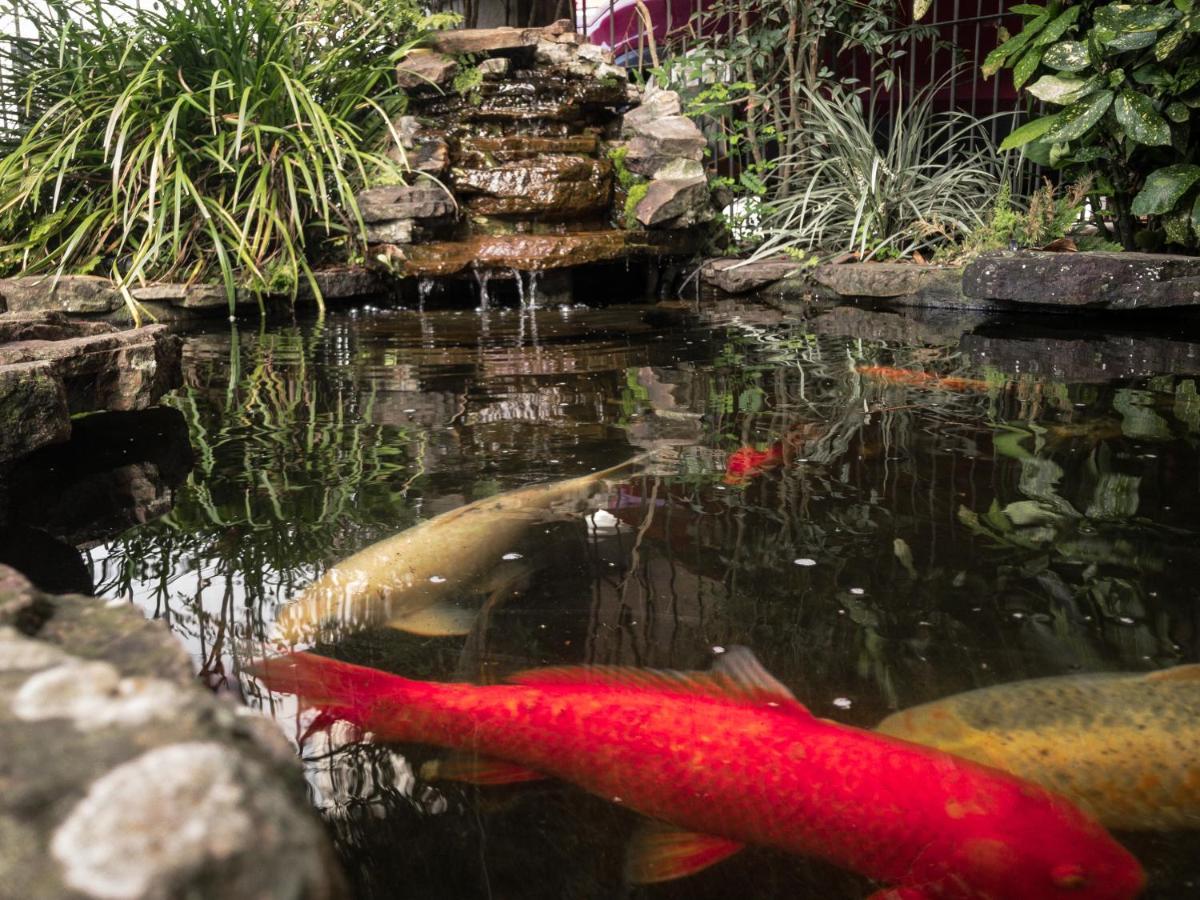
point(718, 649)
point(843, 702)
point(511, 556)
point(857, 592)
point(804, 561)
point(436, 579)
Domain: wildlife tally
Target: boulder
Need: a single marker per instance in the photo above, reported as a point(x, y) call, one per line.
point(405, 201)
point(156, 788)
point(657, 105)
point(1095, 280)
point(659, 142)
point(343, 283)
point(495, 68)
point(484, 152)
point(397, 231)
point(78, 294)
point(120, 370)
point(668, 200)
point(33, 409)
point(47, 326)
point(425, 69)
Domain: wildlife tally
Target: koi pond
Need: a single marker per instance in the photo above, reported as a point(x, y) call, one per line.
point(887, 510)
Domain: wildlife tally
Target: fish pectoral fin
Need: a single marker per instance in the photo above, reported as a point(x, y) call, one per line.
point(443, 619)
point(474, 769)
point(662, 853)
point(1177, 673)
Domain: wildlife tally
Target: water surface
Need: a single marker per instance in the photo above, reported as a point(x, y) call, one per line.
point(1025, 508)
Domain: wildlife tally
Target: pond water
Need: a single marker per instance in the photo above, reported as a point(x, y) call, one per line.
point(940, 513)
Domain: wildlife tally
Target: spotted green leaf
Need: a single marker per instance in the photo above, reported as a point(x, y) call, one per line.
point(1027, 9)
point(1164, 189)
point(1168, 44)
point(1067, 56)
point(1030, 131)
point(1061, 90)
point(1141, 120)
point(1133, 40)
point(1057, 26)
point(1124, 18)
point(997, 59)
point(1076, 120)
point(1196, 217)
point(1027, 66)
point(1184, 6)
point(1177, 112)
point(920, 9)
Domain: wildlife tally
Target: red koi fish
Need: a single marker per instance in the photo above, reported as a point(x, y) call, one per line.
point(746, 462)
point(730, 758)
point(916, 378)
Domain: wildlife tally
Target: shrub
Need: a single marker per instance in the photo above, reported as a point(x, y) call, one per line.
point(203, 138)
point(1127, 81)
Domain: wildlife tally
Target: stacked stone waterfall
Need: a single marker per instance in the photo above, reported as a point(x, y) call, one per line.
point(516, 139)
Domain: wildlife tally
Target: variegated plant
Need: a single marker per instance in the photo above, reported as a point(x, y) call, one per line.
point(1121, 82)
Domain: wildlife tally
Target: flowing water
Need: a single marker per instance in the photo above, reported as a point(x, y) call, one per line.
point(1027, 507)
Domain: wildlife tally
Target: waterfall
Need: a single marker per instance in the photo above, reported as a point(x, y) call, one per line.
point(424, 289)
point(483, 276)
point(516, 274)
point(533, 289)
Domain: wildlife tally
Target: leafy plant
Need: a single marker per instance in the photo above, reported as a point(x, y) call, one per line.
point(198, 138)
point(858, 186)
point(1127, 80)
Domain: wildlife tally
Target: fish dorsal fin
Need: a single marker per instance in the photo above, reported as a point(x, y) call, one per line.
point(660, 852)
point(737, 675)
point(1177, 673)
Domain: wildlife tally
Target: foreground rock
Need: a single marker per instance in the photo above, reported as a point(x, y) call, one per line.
point(52, 368)
point(1091, 280)
point(123, 779)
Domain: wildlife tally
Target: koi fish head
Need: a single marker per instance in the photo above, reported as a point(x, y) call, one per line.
point(747, 462)
point(1046, 849)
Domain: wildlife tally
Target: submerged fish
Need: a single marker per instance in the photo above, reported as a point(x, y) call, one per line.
point(418, 579)
point(746, 462)
point(1126, 747)
point(730, 758)
point(917, 378)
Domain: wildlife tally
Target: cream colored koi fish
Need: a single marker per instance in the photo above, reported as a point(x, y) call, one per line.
point(427, 579)
point(1126, 747)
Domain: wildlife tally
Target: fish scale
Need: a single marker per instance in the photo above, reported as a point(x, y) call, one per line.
point(728, 761)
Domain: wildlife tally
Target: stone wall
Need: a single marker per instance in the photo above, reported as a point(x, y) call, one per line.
point(122, 779)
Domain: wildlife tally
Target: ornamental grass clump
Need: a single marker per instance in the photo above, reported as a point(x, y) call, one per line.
point(217, 140)
point(881, 188)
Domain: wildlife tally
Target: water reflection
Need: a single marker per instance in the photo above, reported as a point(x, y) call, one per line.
point(922, 540)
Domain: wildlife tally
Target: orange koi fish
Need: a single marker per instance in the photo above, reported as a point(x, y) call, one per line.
point(729, 758)
point(916, 378)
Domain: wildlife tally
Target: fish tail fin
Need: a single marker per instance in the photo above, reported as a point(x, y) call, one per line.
point(341, 690)
point(633, 462)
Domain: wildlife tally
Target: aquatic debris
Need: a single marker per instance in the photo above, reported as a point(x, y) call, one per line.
point(1124, 746)
point(429, 579)
point(917, 378)
point(730, 758)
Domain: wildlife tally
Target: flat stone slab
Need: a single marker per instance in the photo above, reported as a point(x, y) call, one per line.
point(888, 280)
point(79, 294)
point(739, 276)
point(535, 252)
point(186, 296)
point(33, 409)
point(487, 41)
point(123, 778)
point(1093, 280)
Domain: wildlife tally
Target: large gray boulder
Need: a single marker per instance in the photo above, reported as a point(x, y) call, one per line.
point(124, 780)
